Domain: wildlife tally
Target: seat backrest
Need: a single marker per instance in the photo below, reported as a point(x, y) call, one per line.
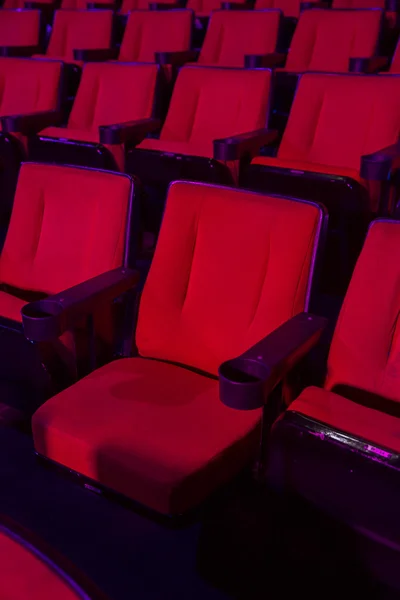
point(325, 40)
point(232, 34)
point(19, 27)
point(230, 266)
point(13, 4)
point(365, 348)
point(28, 85)
point(68, 224)
point(113, 93)
point(356, 4)
point(211, 103)
point(335, 119)
point(151, 31)
point(205, 7)
point(79, 29)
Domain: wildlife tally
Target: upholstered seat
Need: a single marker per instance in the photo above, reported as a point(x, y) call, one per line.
point(152, 427)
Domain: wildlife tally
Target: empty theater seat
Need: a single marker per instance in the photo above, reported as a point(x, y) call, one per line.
point(68, 225)
point(115, 103)
point(344, 437)
point(19, 32)
point(336, 123)
point(231, 35)
point(79, 30)
point(32, 569)
point(207, 103)
point(30, 90)
point(161, 436)
point(149, 32)
point(326, 40)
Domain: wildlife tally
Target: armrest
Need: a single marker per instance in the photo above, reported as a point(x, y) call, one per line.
point(100, 6)
point(47, 319)
point(19, 51)
point(164, 5)
point(96, 54)
point(368, 65)
point(235, 147)
point(378, 165)
point(30, 123)
point(43, 6)
point(245, 382)
point(176, 59)
point(128, 131)
point(268, 61)
point(234, 6)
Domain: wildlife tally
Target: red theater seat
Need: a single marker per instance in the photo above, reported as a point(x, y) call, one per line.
point(326, 40)
point(31, 569)
point(109, 93)
point(29, 96)
point(341, 443)
point(151, 427)
point(207, 103)
point(336, 123)
point(233, 34)
point(68, 225)
point(19, 32)
point(79, 30)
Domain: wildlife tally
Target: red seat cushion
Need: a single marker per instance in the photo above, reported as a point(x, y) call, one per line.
point(150, 430)
point(79, 29)
point(345, 415)
point(148, 32)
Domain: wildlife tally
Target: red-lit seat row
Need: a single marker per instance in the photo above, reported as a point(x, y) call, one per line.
point(209, 314)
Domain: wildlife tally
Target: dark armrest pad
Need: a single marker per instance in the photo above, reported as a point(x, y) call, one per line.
point(176, 58)
point(378, 165)
point(235, 147)
point(100, 6)
point(234, 6)
point(47, 319)
point(19, 51)
point(96, 54)
point(128, 131)
point(268, 61)
point(368, 65)
point(30, 123)
point(246, 381)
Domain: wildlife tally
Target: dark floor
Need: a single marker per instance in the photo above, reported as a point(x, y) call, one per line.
point(249, 543)
point(128, 556)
